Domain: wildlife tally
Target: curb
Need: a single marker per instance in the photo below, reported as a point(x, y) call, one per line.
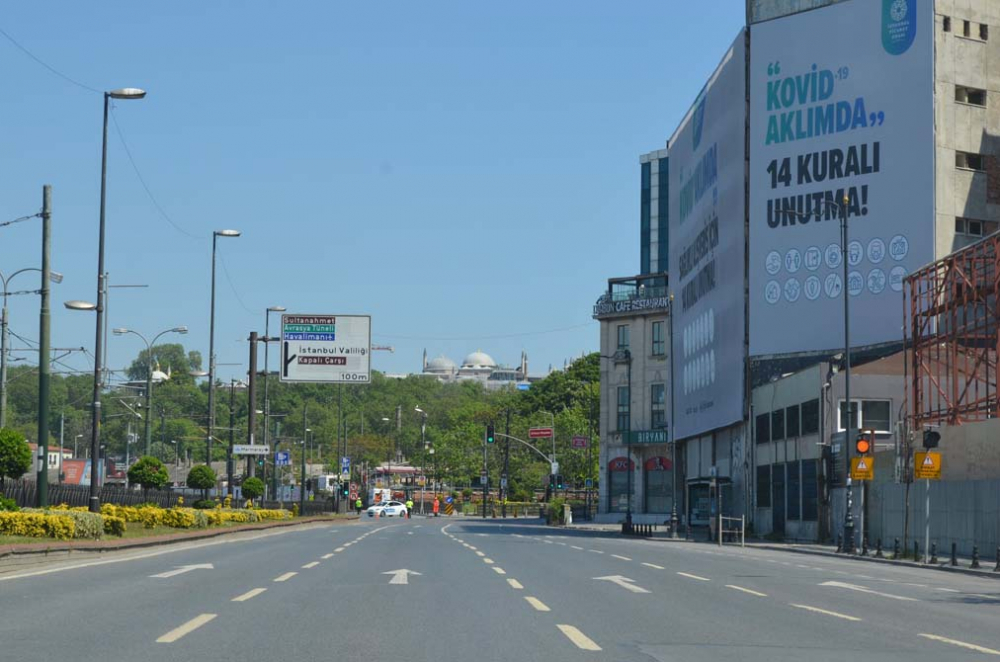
point(987, 574)
point(29, 550)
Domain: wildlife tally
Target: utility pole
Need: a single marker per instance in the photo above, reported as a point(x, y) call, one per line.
point(252, 400)
point(848, 515)
point(44, 358)
point(302, 487)
point(232, 432)
point(506, 465)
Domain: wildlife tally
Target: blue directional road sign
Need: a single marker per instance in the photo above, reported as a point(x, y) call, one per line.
point(282, 459)
point(345, 465)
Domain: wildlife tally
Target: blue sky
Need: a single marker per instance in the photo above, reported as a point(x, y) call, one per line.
point(466, 173)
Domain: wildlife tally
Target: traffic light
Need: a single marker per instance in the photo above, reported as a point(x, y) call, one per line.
point(552, 481)
point(863, 444)
point(559, 482)
point(344, 489)
point(931, 438)
point(490, 436)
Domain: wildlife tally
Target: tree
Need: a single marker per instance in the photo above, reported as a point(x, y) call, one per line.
point(252, 488)
point(201, 477)
point(15, 455)
point(148, 472)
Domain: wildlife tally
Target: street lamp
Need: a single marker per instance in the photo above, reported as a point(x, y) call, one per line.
point(126, 93)
point(842, 211)
point(267, 400)
point(55, 277)
point(75, 439)
point(211, 348)
point(423, 442)
point(149, 371)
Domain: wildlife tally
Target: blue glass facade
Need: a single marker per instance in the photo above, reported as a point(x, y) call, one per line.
point(653, 236)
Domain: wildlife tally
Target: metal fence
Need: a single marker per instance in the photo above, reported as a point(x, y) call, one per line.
point(25, 494)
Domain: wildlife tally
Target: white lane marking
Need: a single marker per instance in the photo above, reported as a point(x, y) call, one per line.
point(577, 547)
point(249, 594)
point(536, 603)
point(623, 558)
point(963, 644)
point(514, 583)
point(865, 589)
point(983, 595)
point(595, 551)
point(481, 535)
point(948, 590)
point(825, 612)
point(472, 548)
point(478, 553)
point(653, 565)
point(183, 569)
point(581, 640)
point(548, 542)
point(340, 549)
point(799, 565)
point(327, 556)
point(746, 590)
point(518, 535)
point(310, 565)
point(624, 582)
point(488, 561)
point(285, 577)
point(188, 627)
point(561, 543)
point(690, 576)
point(499, 571)
point(409, 533)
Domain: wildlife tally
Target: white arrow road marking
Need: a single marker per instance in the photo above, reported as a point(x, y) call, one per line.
point(581, 640)
point(624, 582)
point(865, 589)
point(249, 594)
point(190, 626)
point(184, 568)
point(400, 576)
point(955, 642)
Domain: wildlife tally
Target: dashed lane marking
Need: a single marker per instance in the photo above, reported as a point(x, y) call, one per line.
point(480, 554)
point(340, 549)
point(963, 644)
point(577, 547)
point(653, 565)
point(310, 565)
point(690, 576)
point(581, 640)
point(499, 571)
point(514, 583)
point(327, 556)
point(536, 603)
point(285, 577)
point(488, 561)
point(623, 558)
point(825, 612)
point(595, 551)
point(187, 628)
point(948, 590)
point(249, 594)
point(746, 590)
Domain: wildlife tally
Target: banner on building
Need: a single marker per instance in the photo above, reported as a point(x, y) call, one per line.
point(707, 239)
point(841, 105)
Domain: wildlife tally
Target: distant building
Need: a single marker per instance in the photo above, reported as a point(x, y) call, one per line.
point(478, 367)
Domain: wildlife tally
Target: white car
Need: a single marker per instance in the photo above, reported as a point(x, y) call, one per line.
point(388, 509)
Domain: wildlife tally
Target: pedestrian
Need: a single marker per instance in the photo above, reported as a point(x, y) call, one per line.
point(357, 504)
point(437, 506)
point(409, 507)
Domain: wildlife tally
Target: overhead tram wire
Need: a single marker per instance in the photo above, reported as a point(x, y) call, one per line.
point(488, 337)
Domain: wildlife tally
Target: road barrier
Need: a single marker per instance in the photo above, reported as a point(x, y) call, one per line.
point(734, 528)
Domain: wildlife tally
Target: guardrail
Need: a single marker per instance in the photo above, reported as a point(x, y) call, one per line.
point(734, 527)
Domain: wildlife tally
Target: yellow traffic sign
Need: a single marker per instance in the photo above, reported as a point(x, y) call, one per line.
point(862, 468)
point(927, 465)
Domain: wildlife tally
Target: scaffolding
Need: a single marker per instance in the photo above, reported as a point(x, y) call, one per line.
point(952, 320)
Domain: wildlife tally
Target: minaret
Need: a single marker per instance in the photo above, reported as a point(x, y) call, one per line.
point(425, 360)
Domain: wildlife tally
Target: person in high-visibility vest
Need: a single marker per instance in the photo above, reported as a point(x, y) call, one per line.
point(358, 504)
point(437, 506)
point(409, 507)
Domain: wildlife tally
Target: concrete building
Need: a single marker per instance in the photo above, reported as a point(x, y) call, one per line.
point(477, 367)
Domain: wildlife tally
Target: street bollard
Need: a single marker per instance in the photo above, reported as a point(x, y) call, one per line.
point(864, 545)
point(895, 548)
point(975, 557)
point(934, 558)
point(878, 548)
point(840, 543)
point(916, 552)
point(954, 553)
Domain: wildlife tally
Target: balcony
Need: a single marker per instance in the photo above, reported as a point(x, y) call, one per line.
point(632, 295)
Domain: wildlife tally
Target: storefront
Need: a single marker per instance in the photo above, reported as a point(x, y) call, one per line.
point(658, 484)
point(620, 469)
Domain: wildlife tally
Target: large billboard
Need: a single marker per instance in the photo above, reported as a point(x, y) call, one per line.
point(706, 219)
point(326, 348)
point(841, 104)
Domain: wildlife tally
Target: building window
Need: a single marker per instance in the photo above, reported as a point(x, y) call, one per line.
point(984, 31)
point(659, 342)
point(793, 491)
point(946, 24)
point(974, 227)
point(623, 409)
point(658, 407)
point(622, 336)
point(810, 491)
point(966, 28)
point(810, 417)
point(777, 425)
point(792, 421)
point(874, 415)
point(969, 161)
point(763, 429)
point(764, 486)
point(970, 95)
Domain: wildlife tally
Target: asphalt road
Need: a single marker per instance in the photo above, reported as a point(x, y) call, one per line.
point(488, 590)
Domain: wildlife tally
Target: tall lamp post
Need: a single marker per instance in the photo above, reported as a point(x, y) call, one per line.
point(673, 439)
point(267, 400)
point(842, 212)
point(211, 347)
point(149, 372)
point(423, 443)
point(95, 424)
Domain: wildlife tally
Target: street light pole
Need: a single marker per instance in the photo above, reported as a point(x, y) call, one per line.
point(267, 401)
point(673, 439)
point(211, 348)
point(44, 358)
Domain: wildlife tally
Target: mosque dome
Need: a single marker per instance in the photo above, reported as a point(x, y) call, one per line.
point(441, 364)
point(479, 360)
